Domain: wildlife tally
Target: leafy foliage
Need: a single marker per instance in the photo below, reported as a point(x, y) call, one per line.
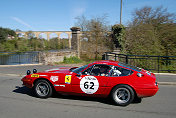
point(167, 36)
point(31, 44)
point(72, 60)
point(151, 32)
point(154, 16)
point(5, 32)
point(118, 36)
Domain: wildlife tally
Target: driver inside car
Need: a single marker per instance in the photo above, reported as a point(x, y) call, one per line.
point(103, 72)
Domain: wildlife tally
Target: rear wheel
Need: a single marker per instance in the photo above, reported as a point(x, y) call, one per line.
point(122, 95)
point(43, 89)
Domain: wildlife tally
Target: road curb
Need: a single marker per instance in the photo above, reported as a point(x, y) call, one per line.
point(16, 75)
point(21, 65)
point(165, 74)
point(166, 83)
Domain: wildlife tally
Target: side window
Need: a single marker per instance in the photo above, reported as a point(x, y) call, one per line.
point(118, 71)
point(100, 70)
point(87, 71)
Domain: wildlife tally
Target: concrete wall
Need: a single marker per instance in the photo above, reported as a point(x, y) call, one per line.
point(53, 57)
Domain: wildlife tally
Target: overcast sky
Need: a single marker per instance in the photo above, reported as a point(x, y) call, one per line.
point(59, 15)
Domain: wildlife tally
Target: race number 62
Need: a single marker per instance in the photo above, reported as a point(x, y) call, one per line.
point(89, 84)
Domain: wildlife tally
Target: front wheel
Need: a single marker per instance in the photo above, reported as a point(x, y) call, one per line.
point(43, 89)
point(122, 95)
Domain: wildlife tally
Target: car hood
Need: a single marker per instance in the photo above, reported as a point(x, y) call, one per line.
point(58, 70)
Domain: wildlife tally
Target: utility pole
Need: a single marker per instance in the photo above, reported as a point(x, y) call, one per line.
point(121, 12)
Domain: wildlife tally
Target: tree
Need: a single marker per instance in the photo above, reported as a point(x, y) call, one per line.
point(81, 22)
point(154, 16)
point(94, 39)
point(151, 32)
point(5, 32)
point(118, 36)
point(167, 36)
point(142, 40)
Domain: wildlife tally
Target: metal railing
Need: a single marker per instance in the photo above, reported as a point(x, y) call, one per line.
point(148, 62)
point(13, 58)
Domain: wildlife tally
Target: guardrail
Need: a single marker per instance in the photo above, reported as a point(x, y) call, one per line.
point(13, 58)
point(148, 62)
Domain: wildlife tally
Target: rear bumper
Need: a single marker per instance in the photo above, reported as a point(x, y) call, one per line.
point(146, 92)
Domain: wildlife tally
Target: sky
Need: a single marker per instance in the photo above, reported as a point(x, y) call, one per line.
point(59, 15)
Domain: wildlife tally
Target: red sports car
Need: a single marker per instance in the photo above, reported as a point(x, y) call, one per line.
point(123, 83)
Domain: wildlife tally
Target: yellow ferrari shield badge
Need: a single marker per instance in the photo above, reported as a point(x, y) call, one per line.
point(68, 79)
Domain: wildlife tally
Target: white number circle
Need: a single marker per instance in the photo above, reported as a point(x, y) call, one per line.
point(89, 84)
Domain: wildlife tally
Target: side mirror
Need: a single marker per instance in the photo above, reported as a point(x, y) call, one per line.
point(139, 74)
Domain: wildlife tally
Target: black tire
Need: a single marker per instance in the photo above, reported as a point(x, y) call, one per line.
point(122, 95)
point(43, 89)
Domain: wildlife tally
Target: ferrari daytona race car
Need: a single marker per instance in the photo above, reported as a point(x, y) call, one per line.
point(122, 83)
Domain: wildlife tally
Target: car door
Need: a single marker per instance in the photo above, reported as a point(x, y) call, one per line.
point(64, 82)
point(91, 81)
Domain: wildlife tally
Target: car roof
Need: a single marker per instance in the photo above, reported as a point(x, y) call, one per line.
point(106, 62)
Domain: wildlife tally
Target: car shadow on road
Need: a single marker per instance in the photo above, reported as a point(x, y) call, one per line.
point(84, 98)
point(24, 90)
point(29, 92)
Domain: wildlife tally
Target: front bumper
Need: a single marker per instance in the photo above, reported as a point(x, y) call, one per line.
point(27, 82)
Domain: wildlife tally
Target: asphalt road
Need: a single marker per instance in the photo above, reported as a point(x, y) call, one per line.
point(19, 102)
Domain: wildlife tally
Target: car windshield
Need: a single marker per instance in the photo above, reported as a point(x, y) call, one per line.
point(130, 67)
point(77, 70)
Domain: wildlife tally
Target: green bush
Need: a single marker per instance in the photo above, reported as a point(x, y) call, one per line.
point(72, 60)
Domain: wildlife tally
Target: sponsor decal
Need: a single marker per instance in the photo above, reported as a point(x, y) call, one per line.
point(54, 78)
point(43, 75)
point(59, 85)
point(34, 75)
point(68, 79)
point(89, 84)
